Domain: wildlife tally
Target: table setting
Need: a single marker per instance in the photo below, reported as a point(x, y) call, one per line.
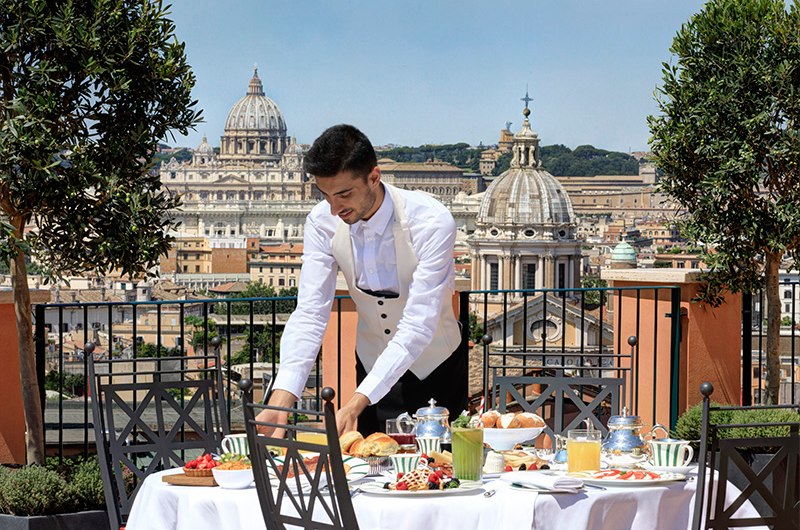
point(450, 477)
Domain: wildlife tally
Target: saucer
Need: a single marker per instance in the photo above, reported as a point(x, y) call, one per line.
point(684, 470)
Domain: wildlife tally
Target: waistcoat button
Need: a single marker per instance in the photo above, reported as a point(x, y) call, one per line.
point(387, 331)
point(380, 302)
point(383, 315)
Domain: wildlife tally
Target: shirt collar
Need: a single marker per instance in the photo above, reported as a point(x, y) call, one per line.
point(380, 220)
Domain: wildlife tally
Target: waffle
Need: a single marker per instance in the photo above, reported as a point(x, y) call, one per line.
point(416, 480)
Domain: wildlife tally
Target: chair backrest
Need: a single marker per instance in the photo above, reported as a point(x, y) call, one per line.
point(585, 395)
point(152, 414)
point(725, 450)
point(296, 489)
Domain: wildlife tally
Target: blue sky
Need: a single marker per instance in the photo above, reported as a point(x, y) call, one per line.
point(412, 72)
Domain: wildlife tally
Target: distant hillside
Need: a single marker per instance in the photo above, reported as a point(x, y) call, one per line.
point(559, 160)
point(460, 155)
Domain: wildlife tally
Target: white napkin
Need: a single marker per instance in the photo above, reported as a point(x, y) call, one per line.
point(542, 480)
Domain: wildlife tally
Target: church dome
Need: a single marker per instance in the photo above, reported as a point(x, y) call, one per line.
point(623, 254)
point(204, 148)
point(255, 111)
point(526, 194)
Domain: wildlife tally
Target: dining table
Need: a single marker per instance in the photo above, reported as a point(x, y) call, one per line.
point(495, 505)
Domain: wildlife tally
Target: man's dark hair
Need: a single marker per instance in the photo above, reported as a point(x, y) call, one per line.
point(340, 148)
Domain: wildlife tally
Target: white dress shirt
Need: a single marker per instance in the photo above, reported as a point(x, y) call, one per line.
point(432, 230)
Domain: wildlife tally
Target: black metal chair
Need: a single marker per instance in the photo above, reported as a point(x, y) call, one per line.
point(152, 414)
point(775, 488)
point(562, 392)
point(315, 496)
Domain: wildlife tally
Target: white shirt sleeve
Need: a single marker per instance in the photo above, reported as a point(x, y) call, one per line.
point(432, 238)
point(303, 333)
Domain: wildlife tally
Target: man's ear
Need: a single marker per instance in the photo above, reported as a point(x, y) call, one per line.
point(374, 177)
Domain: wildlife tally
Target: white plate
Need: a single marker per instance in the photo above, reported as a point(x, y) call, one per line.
point(466, 486)
point(358, 467)
point(614, 482)
point(685, 470)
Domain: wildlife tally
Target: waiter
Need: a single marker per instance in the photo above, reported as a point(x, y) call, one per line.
point(395, 250)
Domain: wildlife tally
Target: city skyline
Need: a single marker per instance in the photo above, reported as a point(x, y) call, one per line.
point(413, 73)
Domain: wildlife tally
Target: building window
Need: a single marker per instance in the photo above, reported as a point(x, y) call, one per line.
point(292, 282)
point(787, 295)
point(529, 282)
point(562, 275)
point(494, 276)
point(281, 282)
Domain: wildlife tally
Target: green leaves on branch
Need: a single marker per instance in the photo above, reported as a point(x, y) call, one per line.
point(86, 91)
point(727, 137)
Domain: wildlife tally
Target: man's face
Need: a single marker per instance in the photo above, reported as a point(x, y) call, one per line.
point(352, 197)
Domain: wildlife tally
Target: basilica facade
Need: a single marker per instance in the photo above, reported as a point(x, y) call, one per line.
point(254, 187)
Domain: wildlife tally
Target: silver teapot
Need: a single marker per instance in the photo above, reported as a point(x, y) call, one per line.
point(433, 422)
point(624, 436)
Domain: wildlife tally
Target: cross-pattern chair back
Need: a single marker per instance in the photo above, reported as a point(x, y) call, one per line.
point(563, 392)
point(152, 414)
point(298, 489)
point(776, 485)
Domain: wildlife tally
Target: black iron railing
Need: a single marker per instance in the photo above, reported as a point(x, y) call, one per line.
point(754, 344)
point(247, 331)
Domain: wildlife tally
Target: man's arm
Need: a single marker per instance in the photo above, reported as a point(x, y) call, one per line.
point(305, 328)
point(279, 398)
point(433, 239)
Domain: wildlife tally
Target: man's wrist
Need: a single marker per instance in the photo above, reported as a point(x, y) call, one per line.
point(358, 403)
point(282, 398)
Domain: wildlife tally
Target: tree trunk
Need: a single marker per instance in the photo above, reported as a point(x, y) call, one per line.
point(773, 329)
point(31, 403)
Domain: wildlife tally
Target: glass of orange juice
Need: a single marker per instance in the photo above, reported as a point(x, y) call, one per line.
point(583, 450)
point(317, 438)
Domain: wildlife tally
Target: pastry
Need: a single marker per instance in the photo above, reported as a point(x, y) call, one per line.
point(347, 440)
point(529, 419)
point(508, 421)
point(489, 419)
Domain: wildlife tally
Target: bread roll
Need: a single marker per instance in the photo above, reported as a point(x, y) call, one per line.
point(348, 439)
point(529, 419)
point(508, 421)
point(489, 419)
point(382, 444)
point(361, 448)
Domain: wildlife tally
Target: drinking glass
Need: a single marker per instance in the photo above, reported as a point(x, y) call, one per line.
point(583, 450)
point(467, 453)
point(403, 433)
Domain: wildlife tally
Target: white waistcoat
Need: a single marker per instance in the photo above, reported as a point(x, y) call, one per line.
point(378, 317)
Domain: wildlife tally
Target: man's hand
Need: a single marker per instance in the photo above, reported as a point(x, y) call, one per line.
point(347, 416)
point(279, 398)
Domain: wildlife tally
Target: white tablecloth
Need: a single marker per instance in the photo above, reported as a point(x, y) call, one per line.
point(160, 506)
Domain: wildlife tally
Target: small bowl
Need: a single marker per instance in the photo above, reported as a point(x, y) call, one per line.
point(234, 479)
point(505, 439)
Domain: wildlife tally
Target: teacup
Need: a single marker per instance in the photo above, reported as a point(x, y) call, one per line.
point(669, 452)
point(429, 444)
point(235, 443)
point(405, 462)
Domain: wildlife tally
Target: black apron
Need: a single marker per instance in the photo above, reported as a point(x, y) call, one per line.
point(447, 384)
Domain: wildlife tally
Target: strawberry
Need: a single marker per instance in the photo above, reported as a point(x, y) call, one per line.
point(433, 477)
point(402, 486)
point(508, 468)
point(191, 464)
point(532, 467)
point(400, 475)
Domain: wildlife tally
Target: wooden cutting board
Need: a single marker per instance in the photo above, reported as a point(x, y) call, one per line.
point(180, 479)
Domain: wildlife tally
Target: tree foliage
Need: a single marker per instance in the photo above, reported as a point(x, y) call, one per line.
point(259, 289)
point(86, 91)
point(728, 142)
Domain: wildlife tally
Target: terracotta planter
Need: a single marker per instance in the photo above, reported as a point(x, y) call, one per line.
point(91, 520)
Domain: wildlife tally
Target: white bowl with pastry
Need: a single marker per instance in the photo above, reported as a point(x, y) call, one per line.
point(504, 431)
